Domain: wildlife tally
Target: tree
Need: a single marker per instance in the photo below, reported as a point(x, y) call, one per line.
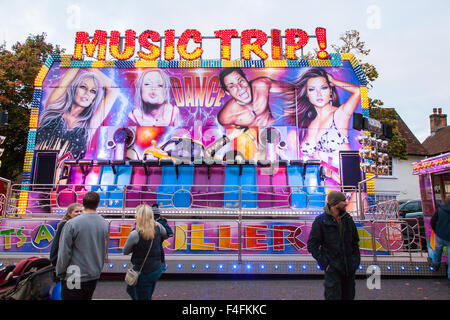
point(18, 69)
point(352, 43)
point(397, 145)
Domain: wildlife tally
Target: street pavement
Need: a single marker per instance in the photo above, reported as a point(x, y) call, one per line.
point(196, 287)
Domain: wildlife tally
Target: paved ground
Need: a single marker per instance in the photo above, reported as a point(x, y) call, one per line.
point(176, 287)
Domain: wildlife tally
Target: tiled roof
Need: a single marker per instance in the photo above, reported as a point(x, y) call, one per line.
point(439, 142)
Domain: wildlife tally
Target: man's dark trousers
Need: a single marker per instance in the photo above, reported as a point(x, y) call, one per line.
point(85, 292)
point(339, 286)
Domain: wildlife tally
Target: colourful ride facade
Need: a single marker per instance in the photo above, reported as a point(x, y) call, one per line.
point(229, 150)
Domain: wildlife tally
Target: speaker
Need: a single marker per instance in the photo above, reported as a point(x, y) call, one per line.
point(350, 170)
point(387, 131)
point(358, 121)
point(44, 167)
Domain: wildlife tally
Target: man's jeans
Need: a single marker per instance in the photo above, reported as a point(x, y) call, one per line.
point(439, 245)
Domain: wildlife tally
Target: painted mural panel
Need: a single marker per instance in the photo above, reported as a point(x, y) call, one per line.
point(200, 113)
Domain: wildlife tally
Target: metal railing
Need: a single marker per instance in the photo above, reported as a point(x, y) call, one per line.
point(120, 200)
point(381, 231)
point(381, 238)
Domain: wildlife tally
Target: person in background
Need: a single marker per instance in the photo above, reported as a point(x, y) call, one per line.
point(145, 238)
point(73, 210)
point(82, 251)
point(163, 222)
point(440, 223)
point(334, 243)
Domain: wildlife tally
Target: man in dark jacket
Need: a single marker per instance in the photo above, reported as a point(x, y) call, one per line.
point(333, 242)
point(440, 223)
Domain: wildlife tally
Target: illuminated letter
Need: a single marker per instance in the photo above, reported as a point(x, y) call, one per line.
point(125, 230)
point(82, 40)
point(7, 234)
point(247, 46)
point(128, 51)
point(292, 45)
point(276, 44)
point(197, 238)
point(43, 234)
point(169, 44)
point(225, 42)
point(180, 237)
point(225, 238)
point(21, 236)
point(279, 236)
point(252, 237)
point(182, 44)
point(155, 51)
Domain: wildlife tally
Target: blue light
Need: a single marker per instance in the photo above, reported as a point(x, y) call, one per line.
point(290, 267)
point(318, 267)
point(235, 266)
point(1, 264)
point(403, 268)
point(206, 266)
point(276, 267)
point(388, 267)
point(431, 268)
point(262, 267)
point(249, 267)
point(360, 267)
point(417, 268)
point(179, 266)
point(220, 266)
point(193, 266)
point(111, 265)
point(124, 266)
point(304, 267)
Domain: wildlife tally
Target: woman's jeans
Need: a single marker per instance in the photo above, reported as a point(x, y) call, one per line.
point(145, 286)
point(439, 245)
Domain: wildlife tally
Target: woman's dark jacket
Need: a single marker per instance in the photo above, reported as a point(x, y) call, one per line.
point(55, 244)
point(335, 243)
point(153, 261)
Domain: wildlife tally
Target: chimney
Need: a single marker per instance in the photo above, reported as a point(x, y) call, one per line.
point(437, 120)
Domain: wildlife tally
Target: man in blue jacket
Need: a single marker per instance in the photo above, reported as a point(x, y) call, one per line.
point(440, 223)
point(333, 242)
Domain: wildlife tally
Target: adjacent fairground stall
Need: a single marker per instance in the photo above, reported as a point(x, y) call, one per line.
point(239, 155)
point(434, 181)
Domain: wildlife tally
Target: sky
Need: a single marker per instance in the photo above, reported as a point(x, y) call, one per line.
point(409, 41)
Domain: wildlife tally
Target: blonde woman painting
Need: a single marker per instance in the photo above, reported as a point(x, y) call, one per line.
point(74, 109)
point(152, 103)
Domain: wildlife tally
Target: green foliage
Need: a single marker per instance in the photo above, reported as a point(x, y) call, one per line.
point(351, 42)
point(18, 69)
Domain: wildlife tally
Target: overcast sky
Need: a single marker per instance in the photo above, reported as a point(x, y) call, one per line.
point(409, 41)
